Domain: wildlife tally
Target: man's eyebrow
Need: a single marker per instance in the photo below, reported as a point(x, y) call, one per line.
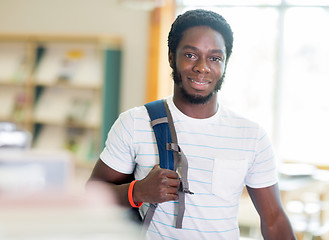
point(190, 47)
point(220, 51)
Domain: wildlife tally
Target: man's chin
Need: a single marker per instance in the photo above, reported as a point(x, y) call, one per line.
point(196, 98)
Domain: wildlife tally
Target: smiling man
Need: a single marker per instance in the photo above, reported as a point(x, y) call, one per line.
point(224, 151)
point(198, 65)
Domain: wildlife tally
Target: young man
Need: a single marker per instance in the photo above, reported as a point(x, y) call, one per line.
point(224, 151)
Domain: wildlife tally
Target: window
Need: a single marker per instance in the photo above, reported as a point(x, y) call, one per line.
point(278, 74)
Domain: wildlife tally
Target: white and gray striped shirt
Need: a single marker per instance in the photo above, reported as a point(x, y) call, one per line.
point(225, 152)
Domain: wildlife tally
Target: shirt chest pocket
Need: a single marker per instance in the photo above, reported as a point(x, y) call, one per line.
point(228, 177)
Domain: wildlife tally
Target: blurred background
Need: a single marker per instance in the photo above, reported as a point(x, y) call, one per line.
point(68, 68)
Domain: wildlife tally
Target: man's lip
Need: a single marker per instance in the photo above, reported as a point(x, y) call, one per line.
point(199, 83)
point(199, 80)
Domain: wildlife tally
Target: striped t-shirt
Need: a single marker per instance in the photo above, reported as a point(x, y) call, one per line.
point(225, 152)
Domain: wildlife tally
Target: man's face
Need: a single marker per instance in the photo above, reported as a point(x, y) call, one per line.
point(199, 64)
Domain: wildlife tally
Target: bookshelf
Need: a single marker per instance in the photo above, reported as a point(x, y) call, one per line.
point(63, 89)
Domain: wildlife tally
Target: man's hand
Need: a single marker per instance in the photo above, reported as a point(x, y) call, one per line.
point(160, 185)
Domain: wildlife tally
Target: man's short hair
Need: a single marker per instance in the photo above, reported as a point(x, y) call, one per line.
point(200, 17)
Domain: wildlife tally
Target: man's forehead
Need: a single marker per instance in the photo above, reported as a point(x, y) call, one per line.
point(199, 26)
point(201, 32)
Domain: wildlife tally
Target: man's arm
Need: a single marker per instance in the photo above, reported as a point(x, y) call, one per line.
point(274, 222)
point(160, 185)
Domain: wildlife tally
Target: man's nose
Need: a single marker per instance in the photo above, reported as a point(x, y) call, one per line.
point(201, 66)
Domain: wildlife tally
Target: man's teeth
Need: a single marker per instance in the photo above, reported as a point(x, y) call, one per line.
point(200, 83)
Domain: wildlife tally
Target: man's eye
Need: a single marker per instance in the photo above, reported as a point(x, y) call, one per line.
point(216, 59)
point(189, 55)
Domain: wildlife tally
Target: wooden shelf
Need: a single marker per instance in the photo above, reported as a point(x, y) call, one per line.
point(66, 82)
point(69, 86)
point(67, 124)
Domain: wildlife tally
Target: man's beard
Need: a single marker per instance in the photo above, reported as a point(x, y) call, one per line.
point(194, 98)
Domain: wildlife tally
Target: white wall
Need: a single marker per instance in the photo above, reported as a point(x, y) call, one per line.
point(88, 17)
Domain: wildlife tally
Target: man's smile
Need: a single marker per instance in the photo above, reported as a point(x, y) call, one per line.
point(199, 83)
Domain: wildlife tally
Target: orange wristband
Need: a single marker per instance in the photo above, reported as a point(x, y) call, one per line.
point(130, 195)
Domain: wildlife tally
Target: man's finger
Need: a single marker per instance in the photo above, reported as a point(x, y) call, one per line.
point(156, 166)
point(173, 182)
point(170, 174)
point(171, 197)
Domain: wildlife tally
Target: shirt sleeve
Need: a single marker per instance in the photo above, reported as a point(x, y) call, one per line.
point(263, 171)
point(118, 151)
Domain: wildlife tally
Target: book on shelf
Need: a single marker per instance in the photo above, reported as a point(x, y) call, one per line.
point(68, 106)
point(79, 141)
point(77, 65)
point(13, 63)
point(13, 101)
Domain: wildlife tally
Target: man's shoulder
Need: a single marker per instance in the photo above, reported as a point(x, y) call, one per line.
point(135, 112)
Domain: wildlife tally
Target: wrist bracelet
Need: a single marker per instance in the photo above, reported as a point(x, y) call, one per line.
point(130, 195)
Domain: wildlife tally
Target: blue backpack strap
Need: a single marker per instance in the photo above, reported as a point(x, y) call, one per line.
point(159, 122)
point(170, 155)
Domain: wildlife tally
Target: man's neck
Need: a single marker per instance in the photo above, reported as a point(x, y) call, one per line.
point(199, 111)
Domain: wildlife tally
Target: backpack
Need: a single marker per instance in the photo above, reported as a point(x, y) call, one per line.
point(170, 154)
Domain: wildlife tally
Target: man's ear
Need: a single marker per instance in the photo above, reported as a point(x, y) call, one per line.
point(171, 59)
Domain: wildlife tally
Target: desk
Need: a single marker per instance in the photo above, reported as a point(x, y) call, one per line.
point(306, 201)
point(52, 216)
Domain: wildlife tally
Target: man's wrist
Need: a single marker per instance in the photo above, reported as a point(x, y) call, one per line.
point(133, 199)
